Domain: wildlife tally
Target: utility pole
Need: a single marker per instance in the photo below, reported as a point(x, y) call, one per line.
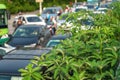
point(75, 1)
point(40, 5)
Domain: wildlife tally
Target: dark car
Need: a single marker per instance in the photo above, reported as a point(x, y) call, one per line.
point(62, 19)
point(26, 53)
point(9, 69)
point(17, 59)
point(56, 39)
point(29, 36)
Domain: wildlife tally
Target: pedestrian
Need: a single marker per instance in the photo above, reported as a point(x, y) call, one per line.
point(60, 12)
point(54, 25)
point(20, 13)
point(67, 9)
point(48, 17)
point(19, 23)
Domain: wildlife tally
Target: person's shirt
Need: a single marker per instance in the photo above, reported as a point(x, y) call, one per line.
point(48, 16)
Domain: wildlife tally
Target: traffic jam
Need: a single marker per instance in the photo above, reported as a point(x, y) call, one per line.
point(35, 35)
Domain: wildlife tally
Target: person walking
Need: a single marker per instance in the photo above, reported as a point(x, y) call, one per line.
point(48, 17)
point(19, 23)
point(54, 25)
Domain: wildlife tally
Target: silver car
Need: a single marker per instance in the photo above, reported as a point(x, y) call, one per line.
point(53, 12)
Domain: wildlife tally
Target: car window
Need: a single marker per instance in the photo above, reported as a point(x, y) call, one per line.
point(63, 17)
point(26, 32)
point(33, 19)
point(50, 11)
point(86, 22)
point(52, 44)
point(79, 9)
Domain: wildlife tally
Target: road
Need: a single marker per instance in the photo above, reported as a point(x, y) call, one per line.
point(10, 27)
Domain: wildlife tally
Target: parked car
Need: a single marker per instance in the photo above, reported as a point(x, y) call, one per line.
point(62, 19)
point(26, 53)
point(100, 11)
point(81, 8)
point(52, 11)
point(86, 24)
point(56, 39)
point(9, 69)
point(29, 35)
point(77, 4)
point(17, 59)
point(29, 19)
point(91, 7)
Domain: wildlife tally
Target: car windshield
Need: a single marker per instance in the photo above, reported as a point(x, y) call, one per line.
point(33, 19)
point(63, 17)
point(86, 22)
point(2, 77)
point(79, 9)
point(90, 6)
point(26, 32)
point(103, 10)
point(50, 11)
point(52, 44)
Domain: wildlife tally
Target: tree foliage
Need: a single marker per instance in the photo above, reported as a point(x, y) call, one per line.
point(15, 6)
point(91, 54)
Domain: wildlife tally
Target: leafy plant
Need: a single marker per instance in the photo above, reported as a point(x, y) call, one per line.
point(91, 54)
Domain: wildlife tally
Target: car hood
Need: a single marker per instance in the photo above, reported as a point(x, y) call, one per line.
point(14, 66)
point(60, 22)
point(22, 41)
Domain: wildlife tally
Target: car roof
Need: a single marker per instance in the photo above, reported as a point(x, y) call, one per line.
point(57, 7)
point(11, 67)
point(29, 15)
point(26, 54)
point(32, 25)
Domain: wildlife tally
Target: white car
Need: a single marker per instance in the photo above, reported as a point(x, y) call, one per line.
point(29, 19)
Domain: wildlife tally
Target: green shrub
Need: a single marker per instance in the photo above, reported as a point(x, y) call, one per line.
point(88, 55)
